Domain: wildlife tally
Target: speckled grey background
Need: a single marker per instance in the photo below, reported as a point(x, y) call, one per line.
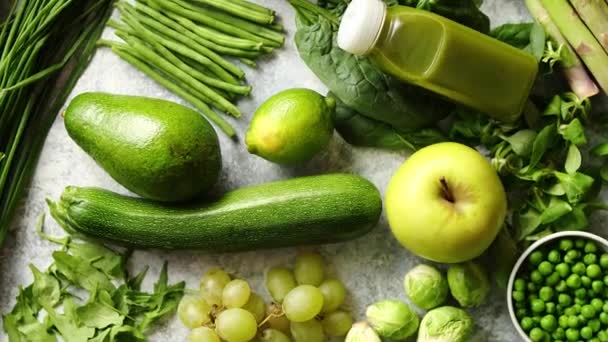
point(371, 267)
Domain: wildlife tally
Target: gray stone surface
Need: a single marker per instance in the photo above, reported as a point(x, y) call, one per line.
point(371, 267)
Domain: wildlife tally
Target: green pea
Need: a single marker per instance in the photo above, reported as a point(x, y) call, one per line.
point(606, 280)
point(586, 333)
point(604, 261)
point(520, 305)
point(573, 321)
point(519, 296)
point(580, 293)
point(563, 269)
point(532, 297)
point(589, 259)
point(580, 243)
point(602, 336)
point(570, 312)
point(571, 256)
point(577, 308)
point(572, 334)
point(546, 293)
point(597, 286)
point(566, 244)
point(595, 325)
point(598, 304)
point(532, 287)
point(590, 247)
point(519, 284)
point(548, 323)
point(594, 271)
point(588, 311)
point(527, 323)
point(580, 301)
point(586, 281)
point(554, 256)
point(564, 299)
point(550, 307)
point(553, 279)
point(604, 318)
point(536, 257)
point(537, 305)
point(605, 308)
point(537, 334)
point(536, 277)
point(573, 281)
point(595, 339)
point(521, 312)
point(582, 320)
point(579, 268)
point(559, 334)
point(545, 268)
point(561, 286)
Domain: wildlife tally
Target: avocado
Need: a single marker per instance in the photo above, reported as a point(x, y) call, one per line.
point(157, 149)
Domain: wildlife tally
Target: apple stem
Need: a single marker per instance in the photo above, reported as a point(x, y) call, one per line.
point(446, 192)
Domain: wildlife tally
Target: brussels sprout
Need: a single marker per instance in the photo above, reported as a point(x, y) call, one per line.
point(392, 319)
point(362, 332)
point(426, 286)
point(445, 324)
point(469, 284)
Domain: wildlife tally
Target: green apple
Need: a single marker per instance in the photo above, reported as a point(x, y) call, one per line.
point(446, 203)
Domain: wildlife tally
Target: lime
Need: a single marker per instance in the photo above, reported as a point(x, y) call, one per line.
point(291, 127)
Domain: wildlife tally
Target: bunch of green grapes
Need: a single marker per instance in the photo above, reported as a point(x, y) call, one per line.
point(306, 306)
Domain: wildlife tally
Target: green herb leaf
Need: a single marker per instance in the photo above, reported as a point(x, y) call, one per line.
point(522, 142)
point(135, 282)
point(517, 35)
point(604, 172)
point(556, 209)
point(575, 220)
point(81, 273)
point(37, 332)
point(573, 132)
point(573, 160)
point(100, 257)
point(576, 185)
point(45, 289)
point(537, 41)
point(542, 143)
point(600, 150)
point(99, 312)
point(527, 223)
point(67, 324)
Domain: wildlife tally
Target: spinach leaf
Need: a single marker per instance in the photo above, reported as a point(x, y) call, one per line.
point(530, 37)
point(357, 81)
point(466, 12)
point(359, 130)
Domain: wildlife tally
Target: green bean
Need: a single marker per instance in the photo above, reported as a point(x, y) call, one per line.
point(160, 18)
point(269, 37)
point(239, 11)
point(160, 79)
point(211, 22)
point(168, 34)
point(248, 62)
point(163, 64)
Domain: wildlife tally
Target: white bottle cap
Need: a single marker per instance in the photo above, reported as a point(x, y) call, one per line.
point(361, 26)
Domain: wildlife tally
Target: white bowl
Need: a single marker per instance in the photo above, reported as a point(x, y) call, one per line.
point(573, 234)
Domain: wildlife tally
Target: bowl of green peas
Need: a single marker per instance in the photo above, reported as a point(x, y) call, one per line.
point(558, 289)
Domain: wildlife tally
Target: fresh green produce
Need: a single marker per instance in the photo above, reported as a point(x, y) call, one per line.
point(446, 203)
point(203, 334)
point(362, 332)
point(446, 324)
point(426, 286)
point(337, 323)
point(193, 312)
point(303, 303)
point(117, 308)
point(357, 81)
point(158, 149)
point(594, 14)
point(578, 78)
point(272, 335)
point(236, 294)
point(309, 331)
point(44, 48)
point(236, 325)
point(392, 319)
point(581, 38)
point(279, 281)
point(308, 210)
point(291, 127)
point(464, 12)
point(212, 285)
point(469, 284)
point(183, 46)
point(309, 269)
point(560, 291)
point(334, 293)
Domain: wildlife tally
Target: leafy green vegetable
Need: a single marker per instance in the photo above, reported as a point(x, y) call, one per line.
point(111, 313)
point(466, 12)
point(357, 81)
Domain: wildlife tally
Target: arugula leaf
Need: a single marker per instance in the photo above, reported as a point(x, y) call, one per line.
point(81, 273)
point(46, 289)
point(67, 324)
point(99, 311)
point(100, 257)
point(36, 332)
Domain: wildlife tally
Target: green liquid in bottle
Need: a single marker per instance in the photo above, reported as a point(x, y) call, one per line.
point(455, 61)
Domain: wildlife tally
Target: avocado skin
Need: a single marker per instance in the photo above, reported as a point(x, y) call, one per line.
point(157, 149)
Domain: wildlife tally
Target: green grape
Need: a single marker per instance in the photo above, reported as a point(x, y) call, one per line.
point(334, 292)
point(203, 334)
point(279, 281)
point(236, 293)
point(256, 306)
point(272, 335)
point(212, 285)
point(303, 303)
point(277, 320)
point(337, 323)
point(309, 269)
point(236, 325)
point(193, 312)
point(309, 331)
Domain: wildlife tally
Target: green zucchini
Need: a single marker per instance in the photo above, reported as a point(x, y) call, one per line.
point(301, 211)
